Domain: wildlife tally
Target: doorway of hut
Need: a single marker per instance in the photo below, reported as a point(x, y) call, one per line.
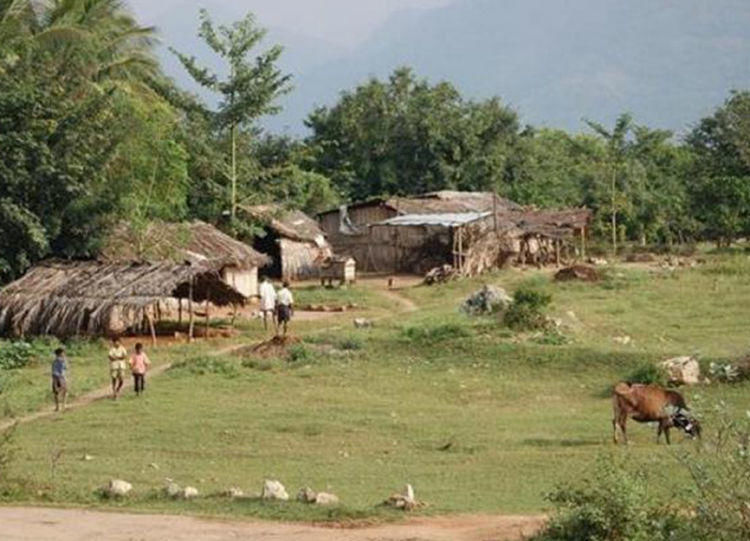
point(270, 244)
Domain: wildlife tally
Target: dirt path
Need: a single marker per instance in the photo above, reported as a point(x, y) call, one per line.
point(46, 524)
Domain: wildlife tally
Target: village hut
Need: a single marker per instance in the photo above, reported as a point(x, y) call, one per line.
point(294, 242)
point(64, 298)
point(195, 242)
point(376, 249)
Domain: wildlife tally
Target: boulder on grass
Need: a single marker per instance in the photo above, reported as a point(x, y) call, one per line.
point(306, 495)
point(404, 500)
point(488, 300)
point(117, 488)
point(683, 370)
point(173, 490)
point(326, 498)
point(189, 493)
point(274, 490)
point(583, 273)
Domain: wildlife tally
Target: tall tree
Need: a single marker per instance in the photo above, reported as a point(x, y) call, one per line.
point(250, 90)
point(617, 162)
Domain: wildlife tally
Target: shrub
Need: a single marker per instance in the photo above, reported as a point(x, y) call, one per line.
point(15, 355)
point(299, 353)
point(647, 373)
point(528, 309)
point(350, 344)
point(614, 504)
point(438, 333)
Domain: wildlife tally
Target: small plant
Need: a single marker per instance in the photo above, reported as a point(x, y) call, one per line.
point(724, 372)
point(614, 504)
point(202, 366)
point(263, 365)
point(439, 333)
point(528, 309)
point(647, 373)
point(298, 353)
point(15, 355)
point(350, 344)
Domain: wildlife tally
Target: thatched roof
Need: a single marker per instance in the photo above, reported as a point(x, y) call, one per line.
point(68, 298)
point(195, 242)
point(292, 224)
point(445, 201)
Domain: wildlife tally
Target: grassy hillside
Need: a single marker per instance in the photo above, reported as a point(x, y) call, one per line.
point(476, 417)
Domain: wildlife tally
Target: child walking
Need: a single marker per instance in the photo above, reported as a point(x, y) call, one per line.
point(139, 363)
point(59, 379)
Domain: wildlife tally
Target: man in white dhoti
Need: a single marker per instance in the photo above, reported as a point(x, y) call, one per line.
point(267, 302)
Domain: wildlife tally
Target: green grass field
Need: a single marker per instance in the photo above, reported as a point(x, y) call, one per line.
point(477, 418)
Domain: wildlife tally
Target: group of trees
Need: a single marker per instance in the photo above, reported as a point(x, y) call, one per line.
point(92, 132)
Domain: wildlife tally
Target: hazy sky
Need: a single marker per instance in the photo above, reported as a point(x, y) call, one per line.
point(344, 22)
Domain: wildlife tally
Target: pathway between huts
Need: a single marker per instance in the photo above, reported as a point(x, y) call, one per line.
point(105, 392)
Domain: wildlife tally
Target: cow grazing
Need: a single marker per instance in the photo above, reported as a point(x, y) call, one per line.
point(651, 403)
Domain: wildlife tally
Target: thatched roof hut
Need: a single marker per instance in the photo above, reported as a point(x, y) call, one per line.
point(295, 243)
point(97, 298)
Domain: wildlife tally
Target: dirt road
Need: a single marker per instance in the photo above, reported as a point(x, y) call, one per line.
point(44, 524)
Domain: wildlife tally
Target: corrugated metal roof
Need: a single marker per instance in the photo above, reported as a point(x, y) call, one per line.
point(447, 219)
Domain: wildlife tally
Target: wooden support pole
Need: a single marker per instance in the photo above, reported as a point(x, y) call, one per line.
point(191, 316)
point(583, 242)
point(151, 326)
point(208, 316)
point(460, 249)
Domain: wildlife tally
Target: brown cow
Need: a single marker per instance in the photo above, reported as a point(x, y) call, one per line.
point(651, 403)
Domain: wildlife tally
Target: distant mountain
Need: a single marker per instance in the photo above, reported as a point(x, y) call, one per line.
point(669, 62)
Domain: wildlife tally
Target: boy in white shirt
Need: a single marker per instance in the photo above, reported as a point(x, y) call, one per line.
point(267, 302)
point(284, 307)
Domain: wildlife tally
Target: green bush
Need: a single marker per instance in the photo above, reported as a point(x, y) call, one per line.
point(350, 344)
point(438, 333)
point(614, 504)
point(647, 373)
point(298, 353)
point(528, 309)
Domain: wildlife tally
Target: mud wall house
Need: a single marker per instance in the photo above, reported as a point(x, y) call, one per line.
point(197, 242)
point(390, 247)
point(294, 242)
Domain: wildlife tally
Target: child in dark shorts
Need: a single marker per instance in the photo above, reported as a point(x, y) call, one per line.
point(59, 380)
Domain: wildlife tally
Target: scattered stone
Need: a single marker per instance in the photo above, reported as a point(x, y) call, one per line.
point(118, 488)
point(189, 493)
point(622, 340)
point(362, 323)
point(325, 498)
point(578, 272)
point(274, 490)
point(683, 370)
point(439, 275)
point(234, 492)
point(173, 490)
point(87, 458)
point(307, 495)
point(153, 466)
point(404, 500)
point(598, 261)
point(488, 300)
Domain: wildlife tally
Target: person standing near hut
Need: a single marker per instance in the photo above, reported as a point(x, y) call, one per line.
point(59, 378)
point(267, 302)
point(284, 307)
point(139, 363)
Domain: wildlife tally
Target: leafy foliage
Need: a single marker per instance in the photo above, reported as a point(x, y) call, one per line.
point(647, 373)
point(527, 312)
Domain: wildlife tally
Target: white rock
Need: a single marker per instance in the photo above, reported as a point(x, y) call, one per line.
point(87, 458)
point(189, 493)
point(235, 492)
point(307, 495)
point(325, 498)
point(274, 490)
point(173, 490)
point(685, 370)
point(119, 488)
point(409, 493)
point(362, 323)
point(622, 340)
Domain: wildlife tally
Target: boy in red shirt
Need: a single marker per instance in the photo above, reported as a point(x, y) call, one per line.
point(139, 363)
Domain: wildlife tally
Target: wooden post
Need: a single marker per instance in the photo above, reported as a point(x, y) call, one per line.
point(151, 326)
point(460, 249)
point(208, 317)
point(190, 310)
point(583, 242)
